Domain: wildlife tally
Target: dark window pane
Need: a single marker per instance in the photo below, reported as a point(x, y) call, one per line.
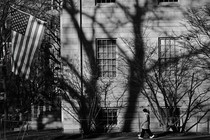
point(105, 1)
point(159, 1)
point(109, 116)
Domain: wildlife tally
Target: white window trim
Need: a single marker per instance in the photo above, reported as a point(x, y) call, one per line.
point(96, 53)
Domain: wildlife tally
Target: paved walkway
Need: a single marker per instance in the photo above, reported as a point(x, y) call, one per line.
point(53, 135)
point(204, 137)
point(192, 137)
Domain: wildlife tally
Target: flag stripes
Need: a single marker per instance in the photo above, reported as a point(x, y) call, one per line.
point(25, 41)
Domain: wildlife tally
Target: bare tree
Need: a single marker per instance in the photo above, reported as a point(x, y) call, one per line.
point(177, 94)
point(135, 64)
point(197, 36)
point(41, 86)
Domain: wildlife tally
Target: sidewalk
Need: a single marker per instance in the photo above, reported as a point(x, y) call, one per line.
point(58, 135)
point(204, 137)
point(134, 137)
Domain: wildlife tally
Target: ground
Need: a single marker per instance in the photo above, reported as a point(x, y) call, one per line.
point(58, 135)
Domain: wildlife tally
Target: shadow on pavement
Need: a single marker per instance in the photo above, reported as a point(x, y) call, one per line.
point(91, 136)
point(132, 136)
point(68, 136)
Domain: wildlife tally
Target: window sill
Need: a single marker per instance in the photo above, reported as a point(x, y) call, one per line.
point(105, 4)
point(169, 4)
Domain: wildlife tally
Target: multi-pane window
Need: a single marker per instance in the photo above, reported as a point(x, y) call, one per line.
point(168, 51)
point(110, 116)
point(40, 109)
point(106, 57)
point(172, 115)
point(47, 108)
point(5, 50)
point(167, 1)
point(105, 1)
point(35, 113)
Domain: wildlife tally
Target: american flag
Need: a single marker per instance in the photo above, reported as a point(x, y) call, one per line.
point(27, 34)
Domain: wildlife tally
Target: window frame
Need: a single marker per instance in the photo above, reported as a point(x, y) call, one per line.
point(105, 1)
point(172, 115)
point(164, 67)
point(109, 115)
point(110, 62)
point(172, 3)
point(168, 1)
point(35, 111)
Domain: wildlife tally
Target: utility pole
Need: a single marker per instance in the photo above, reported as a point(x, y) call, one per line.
point(81, 51)
point(81, 62)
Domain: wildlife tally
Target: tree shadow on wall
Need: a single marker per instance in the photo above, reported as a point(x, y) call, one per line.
point(136, 64)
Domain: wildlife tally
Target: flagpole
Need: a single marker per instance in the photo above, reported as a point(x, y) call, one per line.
point(81, 51)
